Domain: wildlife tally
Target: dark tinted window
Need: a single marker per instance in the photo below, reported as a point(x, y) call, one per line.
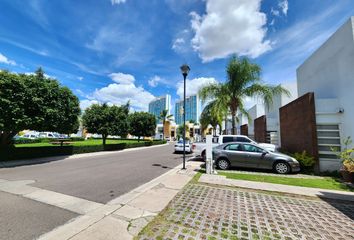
point(228, 139)
point(243, 139)
point(251, 148)
point(233, 147)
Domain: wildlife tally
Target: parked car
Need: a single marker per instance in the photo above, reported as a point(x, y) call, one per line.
point(48, 135)
point(179, 146)
point(30, 135)
point(250, 155)
point(199, 148)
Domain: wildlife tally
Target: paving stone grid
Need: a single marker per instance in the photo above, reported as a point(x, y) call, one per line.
point(204, 212)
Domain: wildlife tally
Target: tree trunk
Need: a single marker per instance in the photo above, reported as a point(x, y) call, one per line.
point(163, 129)
point(233, 114)
point(104, 137)
point(139, 139)
point(6, 138)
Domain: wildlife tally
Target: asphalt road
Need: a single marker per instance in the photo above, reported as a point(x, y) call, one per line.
point(98, 178)
point(22, 218)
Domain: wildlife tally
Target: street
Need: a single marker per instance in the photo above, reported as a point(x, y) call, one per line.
point(95, 178)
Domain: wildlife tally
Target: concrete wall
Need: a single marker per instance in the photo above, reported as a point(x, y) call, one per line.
point(298, 126)
point(260, 129)
point(329, 72)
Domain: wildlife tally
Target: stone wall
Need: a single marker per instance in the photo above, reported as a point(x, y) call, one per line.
point(298, 125)
point(244, 129)
point(260, 129)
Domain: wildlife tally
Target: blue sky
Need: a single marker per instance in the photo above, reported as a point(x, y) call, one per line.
point(119, 50)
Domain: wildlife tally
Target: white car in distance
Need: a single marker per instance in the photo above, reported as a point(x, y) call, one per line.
point(179, 146)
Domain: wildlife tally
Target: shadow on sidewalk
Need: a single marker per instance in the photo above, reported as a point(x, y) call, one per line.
point(345, 207)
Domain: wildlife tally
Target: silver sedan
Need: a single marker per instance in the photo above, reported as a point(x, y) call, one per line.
point(238, 154)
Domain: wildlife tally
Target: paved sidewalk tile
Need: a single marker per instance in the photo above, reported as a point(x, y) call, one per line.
point(205, 212)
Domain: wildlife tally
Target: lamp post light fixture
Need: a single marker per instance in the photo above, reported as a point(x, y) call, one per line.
point(185, 70)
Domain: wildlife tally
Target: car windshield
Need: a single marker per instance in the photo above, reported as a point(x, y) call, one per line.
point(181, 141)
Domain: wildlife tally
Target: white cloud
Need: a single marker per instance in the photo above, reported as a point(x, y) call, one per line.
point(87, 103)
point(4, 59)
point(194, 85)
point(154, 81)
point(80, 78)
point(122, 78)
point(117, 1)
point(178, 43)
point(121, 92)
point(274, 12)
point(284, 6)
point(230, 26)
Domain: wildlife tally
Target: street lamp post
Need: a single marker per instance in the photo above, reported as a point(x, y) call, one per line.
point(185, 70)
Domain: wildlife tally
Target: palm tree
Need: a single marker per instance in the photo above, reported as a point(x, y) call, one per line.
point(243, 80)
point(164, 117)
point(210, 116)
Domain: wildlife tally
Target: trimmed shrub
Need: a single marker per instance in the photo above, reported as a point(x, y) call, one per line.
point(305, 160)
point(26, 141)
point(17, 153)
point(76, 139)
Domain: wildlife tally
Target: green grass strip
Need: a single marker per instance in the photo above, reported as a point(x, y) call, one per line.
point(330, 183)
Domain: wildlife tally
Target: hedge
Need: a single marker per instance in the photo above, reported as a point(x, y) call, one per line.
point(17, 153)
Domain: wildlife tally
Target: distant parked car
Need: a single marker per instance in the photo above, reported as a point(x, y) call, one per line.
point(30, 135)
point(250, 155)
point(48, 135)
point(179, 146)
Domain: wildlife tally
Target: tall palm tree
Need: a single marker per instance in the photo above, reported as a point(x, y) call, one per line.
point(164, 117)
point(243, 80)
point(210, 116)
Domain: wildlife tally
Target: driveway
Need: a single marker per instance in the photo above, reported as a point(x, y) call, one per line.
point(98, 178)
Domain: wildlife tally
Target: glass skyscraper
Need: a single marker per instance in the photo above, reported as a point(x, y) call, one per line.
point(158, 105)
point(193, 108)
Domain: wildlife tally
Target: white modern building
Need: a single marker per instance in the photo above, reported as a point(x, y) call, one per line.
point(329, 73)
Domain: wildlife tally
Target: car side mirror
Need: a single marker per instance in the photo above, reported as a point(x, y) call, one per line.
point(264, 152)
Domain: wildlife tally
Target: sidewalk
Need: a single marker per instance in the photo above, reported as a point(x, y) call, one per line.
point(305, 191)
point(125, 216)
point(212, 212)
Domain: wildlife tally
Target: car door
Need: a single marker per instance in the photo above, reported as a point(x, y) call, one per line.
point(235, 154)
point(254, 155)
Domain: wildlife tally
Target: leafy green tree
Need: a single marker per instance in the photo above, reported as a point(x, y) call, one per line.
point(106, 120)
point(142, 124)
point(164, 117)
point(37, 103)
point(243, 80)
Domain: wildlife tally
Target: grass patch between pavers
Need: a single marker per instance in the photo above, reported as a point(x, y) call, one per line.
point(330, 183)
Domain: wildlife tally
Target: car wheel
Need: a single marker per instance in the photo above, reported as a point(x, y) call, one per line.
point(223, 164)
point(203, 156)
point(281, 167)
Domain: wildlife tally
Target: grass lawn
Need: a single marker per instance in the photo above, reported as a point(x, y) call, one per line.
point(89, 142)
point(331, 183)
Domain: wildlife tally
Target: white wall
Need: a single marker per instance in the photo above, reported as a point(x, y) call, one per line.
point(329, 73)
